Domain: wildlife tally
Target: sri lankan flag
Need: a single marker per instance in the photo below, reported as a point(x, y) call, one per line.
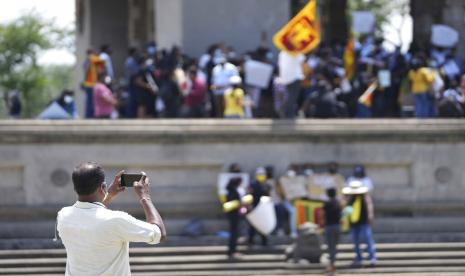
point(349, 59)
point(312, 211)
point(367, 97)
point(302, 34)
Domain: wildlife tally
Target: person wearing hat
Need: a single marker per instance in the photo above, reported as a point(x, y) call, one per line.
point(234, 99)
point(361, 215)
point(360, 175)
point(257, 189)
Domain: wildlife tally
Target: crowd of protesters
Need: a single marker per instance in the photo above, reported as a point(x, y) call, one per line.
point(425, 83)
point(343, 197)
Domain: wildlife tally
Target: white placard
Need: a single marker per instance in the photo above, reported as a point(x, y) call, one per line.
point(258, 73)
point(263, 217)
point(223, 180)
point(384, 78)
point(444, 36)
point(363, 22)
point(294, 187)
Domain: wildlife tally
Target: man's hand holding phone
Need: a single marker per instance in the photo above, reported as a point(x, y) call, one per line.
point(142, 187)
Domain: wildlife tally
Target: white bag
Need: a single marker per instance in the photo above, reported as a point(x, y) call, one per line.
point(263, 217)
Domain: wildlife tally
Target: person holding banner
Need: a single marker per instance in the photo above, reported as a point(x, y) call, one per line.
point(257, 189)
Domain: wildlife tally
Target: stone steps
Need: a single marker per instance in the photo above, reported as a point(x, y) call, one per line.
point(417, 259)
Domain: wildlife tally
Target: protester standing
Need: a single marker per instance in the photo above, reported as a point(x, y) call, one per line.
point(421, 79)
point(104, 100)
point(93, 66)
point(257, 189)
point(105, 55)
point(234, 99)
point(233, 215)
point(291, 75)
point(361, 218)
point(194, 102)
point(332, 218)
point(221, 76)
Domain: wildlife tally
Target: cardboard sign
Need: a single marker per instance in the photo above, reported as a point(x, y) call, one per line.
point(293, 187)
point(319, 183)
point(363, 22)
point(444, 36)
point(384, 78)
point(258, 74)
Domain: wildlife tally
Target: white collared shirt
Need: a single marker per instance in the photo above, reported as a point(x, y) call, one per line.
point(221, 75)
point(97, 239)
point(290, 67)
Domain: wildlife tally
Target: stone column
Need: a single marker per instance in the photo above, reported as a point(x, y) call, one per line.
point(169, 23)
point(141, 22)
point(100, 22)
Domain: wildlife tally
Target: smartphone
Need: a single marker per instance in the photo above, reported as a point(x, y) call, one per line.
point(128, 179)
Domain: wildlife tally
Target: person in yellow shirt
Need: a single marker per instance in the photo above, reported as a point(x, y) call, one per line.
point(234, 99)
point(421, 79)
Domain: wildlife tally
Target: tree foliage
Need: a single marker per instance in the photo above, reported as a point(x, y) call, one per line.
point(21, 42)
point(382, 9)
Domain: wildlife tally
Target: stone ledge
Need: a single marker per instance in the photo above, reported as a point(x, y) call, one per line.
point(232, 131)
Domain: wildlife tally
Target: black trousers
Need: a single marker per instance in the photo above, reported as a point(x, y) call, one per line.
point(233, 218)
point(252, 233)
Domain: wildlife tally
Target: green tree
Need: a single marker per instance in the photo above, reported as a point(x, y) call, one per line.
point(21, 42)
point(383, 10)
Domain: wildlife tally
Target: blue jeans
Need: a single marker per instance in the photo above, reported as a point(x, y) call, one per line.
point(424, 106)
point(89, 102)
point(332, 239)
point(363, 231)
point(292, 219)
point(363, 111)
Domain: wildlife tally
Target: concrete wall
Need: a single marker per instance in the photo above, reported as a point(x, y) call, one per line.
point(238, 23)
point(416, 166)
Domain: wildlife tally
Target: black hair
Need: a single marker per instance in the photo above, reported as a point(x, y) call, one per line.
point(359, 171)
point(331, 193)
point(105, 48)
point(234, 168)
point(234, 183)
point(87, 178)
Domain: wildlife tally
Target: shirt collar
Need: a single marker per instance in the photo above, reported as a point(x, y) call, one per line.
point(88, 205)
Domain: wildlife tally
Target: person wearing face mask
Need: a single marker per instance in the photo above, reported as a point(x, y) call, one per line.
point(257, 189)
point(97, 238)
point(66, 101)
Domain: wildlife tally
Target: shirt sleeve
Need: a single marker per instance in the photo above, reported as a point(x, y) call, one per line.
point(131, 229)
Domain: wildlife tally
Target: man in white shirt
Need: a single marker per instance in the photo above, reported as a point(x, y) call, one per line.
point(105, 55)
point(96, 238)
point(291, 74)
point(221, 75)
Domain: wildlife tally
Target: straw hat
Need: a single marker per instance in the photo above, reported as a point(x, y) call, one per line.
point(235, 80)
point(355, 188)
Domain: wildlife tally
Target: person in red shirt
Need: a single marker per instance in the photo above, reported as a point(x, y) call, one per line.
point(104, 100)
point(194, 101)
